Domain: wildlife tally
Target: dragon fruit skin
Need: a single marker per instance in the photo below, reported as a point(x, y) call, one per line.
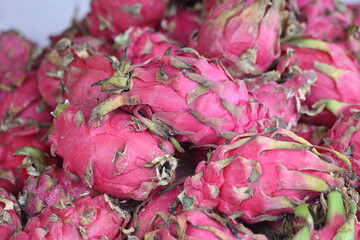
point(197, 224)
point(326, 20)
point(86, 218)
point(311, 133)
point(51, 188)
point(10, 215)
point(141, 44)
point(344, 136)
point(81, 73)
point(337, 73)
point(70, 68)
point(160, 203)
point(185, 85)
point(109, 18)
point(282, 99)
point(182, 25)
point(15, 57)
point(7, 181)
point(224, 34)
point(12, 140)
point(263, 190)
point(129, 164)
point(20, 100)
point(210, 4)
point(23, 104)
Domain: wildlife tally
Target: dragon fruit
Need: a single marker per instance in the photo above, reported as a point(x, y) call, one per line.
point(16, 58)
point(198, 224)
point(325, 20)
point(177, 90)
point(23, 105)
point(163, 202)
point(181, 25)
point(68, 71)
point(341, 221)
point(52, 188)
point(120, 156)
point(108, 18)
point(281, 93)
point(86, 218)
point(20, 99)
point(344, 134)
point(353, 35)
point(9, 215)
point(337, 73)
point(225, 34)
point(141, 44)
point(13, 142)
point(262, 192)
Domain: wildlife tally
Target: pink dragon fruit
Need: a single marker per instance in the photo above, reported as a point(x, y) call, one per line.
point(263, 191)
point(141, 44)
point(20, 100)
point(120, 156)
point(325, 20)
point(23, 104)
point(86, 218)
point(52, 188)
point(68, 71)
point(281, 94)
point(345, 134)
point(337, 73)
point(10, 215)
point(81, 73)
point(181, 25)
point(341, 221)
point(225, 34)
point(108, 18)
point(19, 137)
point(353, 39)
point(177, 90)
point(198, 224)
point(163, 202)
point(16, 58)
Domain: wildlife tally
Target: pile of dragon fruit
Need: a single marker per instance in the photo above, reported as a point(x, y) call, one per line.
point(163, 120)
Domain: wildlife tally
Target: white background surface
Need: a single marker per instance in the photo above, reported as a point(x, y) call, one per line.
point(37, 19)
